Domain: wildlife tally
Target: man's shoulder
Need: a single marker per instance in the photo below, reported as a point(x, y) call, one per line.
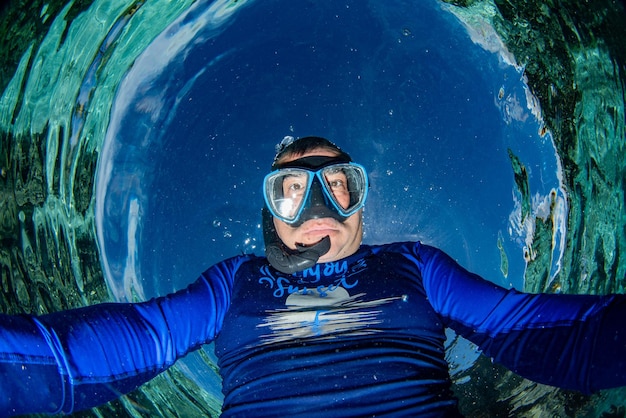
point(417, 251)
point(394, 247)
point(243, 259)
point(237, 262)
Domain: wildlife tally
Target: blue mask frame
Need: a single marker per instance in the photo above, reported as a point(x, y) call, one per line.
point(319, 200)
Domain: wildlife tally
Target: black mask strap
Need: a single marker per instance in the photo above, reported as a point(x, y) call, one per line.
point(285, 259)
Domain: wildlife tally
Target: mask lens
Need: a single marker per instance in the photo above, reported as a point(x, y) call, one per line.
point(285, 192)
point(346, 185)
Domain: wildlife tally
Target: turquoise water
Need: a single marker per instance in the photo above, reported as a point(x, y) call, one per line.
point(139, 133)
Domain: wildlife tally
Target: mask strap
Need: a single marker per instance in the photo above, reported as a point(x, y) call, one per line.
point(284, 259)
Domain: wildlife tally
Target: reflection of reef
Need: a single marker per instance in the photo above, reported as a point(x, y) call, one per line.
point(539, 255)
point(47, 264)
point(538, 252)
point(574, 57)
point(20, 27)
point(504, 260)
point(577, 73)
point(521, 181)
point(494, 392)
point(48, 254)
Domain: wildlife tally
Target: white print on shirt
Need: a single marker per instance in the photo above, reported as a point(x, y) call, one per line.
point(313, 316)
point(306, 284)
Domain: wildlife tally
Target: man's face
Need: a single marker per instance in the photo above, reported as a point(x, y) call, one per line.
point(345, 237)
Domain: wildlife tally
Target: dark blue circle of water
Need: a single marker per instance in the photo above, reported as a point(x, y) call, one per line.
point(399, 85)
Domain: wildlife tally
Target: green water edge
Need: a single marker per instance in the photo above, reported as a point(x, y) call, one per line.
point(575, 67)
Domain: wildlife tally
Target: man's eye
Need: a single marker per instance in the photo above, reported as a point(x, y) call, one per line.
point(337, 184)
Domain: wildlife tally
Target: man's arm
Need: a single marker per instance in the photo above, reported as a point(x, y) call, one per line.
point(81, 358)
point(570, 341)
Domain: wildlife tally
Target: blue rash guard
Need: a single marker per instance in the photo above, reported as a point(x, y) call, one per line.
point(363, 336)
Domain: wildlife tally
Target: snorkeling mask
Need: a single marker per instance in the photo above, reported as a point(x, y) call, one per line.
point(309, 188)
point(315, 187)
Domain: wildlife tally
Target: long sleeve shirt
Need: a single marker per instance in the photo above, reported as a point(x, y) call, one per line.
point(362, 336)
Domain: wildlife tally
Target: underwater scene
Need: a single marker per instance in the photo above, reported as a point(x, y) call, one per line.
point(135, 136)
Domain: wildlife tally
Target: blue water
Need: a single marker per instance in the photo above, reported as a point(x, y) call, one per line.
point(409, 95)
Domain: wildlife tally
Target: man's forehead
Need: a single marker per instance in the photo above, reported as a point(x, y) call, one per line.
point(313, 161)
point(325, 152)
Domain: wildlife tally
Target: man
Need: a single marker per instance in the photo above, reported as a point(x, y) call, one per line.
point(321, 325)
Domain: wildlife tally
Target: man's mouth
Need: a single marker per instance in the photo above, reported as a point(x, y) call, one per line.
point(302, 245)
point(316, 229)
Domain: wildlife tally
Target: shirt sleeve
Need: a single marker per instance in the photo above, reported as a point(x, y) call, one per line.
point(569, 341)
point(81, 358)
